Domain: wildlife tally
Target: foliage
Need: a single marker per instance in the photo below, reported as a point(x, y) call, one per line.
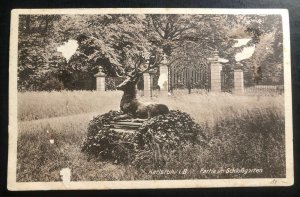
point(266, 64)
point(36, 49)
point(112, 43)
point(53, 84)
point(163, 135)
point(105, 143)
point(158, 134)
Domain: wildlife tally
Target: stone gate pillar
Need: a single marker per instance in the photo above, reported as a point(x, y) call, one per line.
point(163, 80)
point(147, 84)
point(238, 79)
point(100, 81)
point(215, 73)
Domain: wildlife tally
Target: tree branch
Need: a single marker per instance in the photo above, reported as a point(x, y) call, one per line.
point(156, 28)
point(179, 32)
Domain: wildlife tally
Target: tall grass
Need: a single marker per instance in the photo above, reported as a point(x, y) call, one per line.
point(242, 131)
point(39, 105)
point(251, 140)
point(210, 107)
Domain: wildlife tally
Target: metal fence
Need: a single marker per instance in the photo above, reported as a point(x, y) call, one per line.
point(193, 77)
point(264, 90)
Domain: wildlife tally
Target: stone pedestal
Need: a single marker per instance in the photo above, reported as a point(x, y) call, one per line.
point(163, 80)
point(238, 80)
point(215, 73)
point(100, 81)
point(147, 84)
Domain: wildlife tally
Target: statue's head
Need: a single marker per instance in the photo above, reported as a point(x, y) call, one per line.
point(128, 84)
point(140, 67)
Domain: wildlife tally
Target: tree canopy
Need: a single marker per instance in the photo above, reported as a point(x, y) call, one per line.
point(114, 42)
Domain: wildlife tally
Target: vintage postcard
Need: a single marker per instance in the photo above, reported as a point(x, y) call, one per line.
point(149, 98)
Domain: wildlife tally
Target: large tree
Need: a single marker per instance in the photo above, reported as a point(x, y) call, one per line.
point(116, 43)
point(192, 39)
point(110, 42)
point(266, 63)
point(36, 50)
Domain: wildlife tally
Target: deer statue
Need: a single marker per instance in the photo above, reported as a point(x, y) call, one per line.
point(130, 106)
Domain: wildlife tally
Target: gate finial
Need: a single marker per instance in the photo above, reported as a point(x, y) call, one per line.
point(165, 59)
point(215, 56)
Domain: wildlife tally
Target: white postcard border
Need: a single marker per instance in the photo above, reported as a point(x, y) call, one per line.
point(203, 183)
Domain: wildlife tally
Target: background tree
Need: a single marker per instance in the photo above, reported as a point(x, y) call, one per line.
point(266, 63)
point(111, 42)
point(35, 49)
point(114, 43)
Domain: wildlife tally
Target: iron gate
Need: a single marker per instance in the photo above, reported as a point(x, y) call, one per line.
point(227, 78)
point(192, 77)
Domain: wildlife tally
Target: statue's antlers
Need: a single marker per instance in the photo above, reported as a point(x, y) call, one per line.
point(138, 67)
point(155, 64)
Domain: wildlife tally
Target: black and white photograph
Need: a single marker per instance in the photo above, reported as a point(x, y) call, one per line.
point(149, 98)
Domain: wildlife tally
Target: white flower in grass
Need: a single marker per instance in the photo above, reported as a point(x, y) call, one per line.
point(51, 141)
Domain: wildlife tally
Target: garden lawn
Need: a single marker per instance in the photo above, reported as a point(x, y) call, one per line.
point(242, 132)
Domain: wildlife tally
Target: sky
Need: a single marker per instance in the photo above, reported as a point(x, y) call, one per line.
point(247, 52)
point(68, 49)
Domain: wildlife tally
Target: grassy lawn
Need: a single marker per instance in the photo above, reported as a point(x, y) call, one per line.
point(242, 132)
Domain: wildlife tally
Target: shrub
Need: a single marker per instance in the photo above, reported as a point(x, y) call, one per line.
point(52, 84)
point(161, 136)
point(105, 143)
point(148, 146)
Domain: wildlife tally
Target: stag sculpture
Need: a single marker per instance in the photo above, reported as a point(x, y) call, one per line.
point(129, 105)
